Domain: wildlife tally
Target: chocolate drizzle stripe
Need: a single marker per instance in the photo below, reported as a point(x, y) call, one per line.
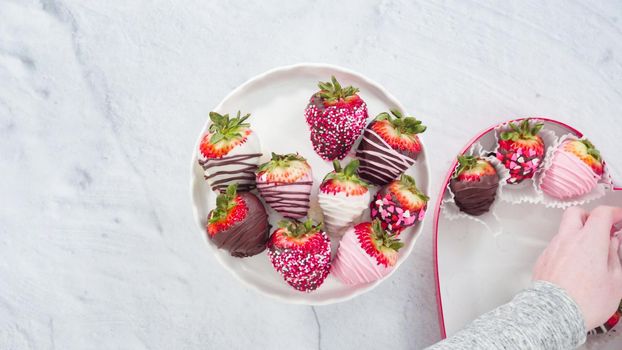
point(285, 199)
point(379, 160)
point(220, 172)
point(392, 154)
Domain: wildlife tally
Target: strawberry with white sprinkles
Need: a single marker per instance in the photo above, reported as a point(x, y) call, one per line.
point(336, 116)
point(300, 252)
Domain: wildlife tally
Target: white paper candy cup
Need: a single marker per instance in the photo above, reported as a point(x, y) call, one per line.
point(489, 220)
point(603, 185)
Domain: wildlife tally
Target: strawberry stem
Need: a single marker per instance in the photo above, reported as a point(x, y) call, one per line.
point(224, 203)
point(225, 128)
point(523, 131)
point(404, 125)
point(332, 91)
point(591, 150)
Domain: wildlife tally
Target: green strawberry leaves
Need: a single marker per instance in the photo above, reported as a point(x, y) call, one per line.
point(591, 150)
point(224, 203)
point(523, 131)
point(332, 91)
point(297, 229)
point(383, 238)
point(465, 163)
point(347, 174)
point(405, 125)
point(408, 183)
point(280, 161)
point(225, 128)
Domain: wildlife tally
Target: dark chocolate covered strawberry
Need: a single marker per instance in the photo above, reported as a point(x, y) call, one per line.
point(474, 185)
point(336, 117)
point(399, 204)
point(300, 252)
point(521, 150)
point(285, 184)
point(239, 223)
point(229, 152)
point(390, 145)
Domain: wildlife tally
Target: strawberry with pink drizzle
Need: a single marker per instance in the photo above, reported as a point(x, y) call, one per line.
point(399, 204)
point(336, 117)
point(285, 184)
point(366, 253)
point(389, 147)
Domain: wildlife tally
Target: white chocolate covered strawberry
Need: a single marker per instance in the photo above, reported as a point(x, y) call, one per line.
point(229, 153)
point(343, 197)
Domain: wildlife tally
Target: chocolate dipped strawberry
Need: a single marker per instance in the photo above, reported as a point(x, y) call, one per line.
point(300, 252)
point(366, 253)
point(399, 204)
point(474, 185)
point(285, 184)
point(521, 150)
point(336, 117)
point(575, 169)
point(390, 145)
point(229, 152)
point(343, 197)
point(239, 223)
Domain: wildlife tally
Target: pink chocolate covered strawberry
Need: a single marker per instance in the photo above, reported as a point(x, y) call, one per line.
point(285, 184)
point(366, 253)
point(343, 197)
point(300, 252)
point(336, 117)
point(399, 204)
point(575, 169)
point(229, 152)
point(521, 150)
point(390, 145)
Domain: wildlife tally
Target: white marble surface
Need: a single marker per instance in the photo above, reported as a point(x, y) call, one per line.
point(100, 104)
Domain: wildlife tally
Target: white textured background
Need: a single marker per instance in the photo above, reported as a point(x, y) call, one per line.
point(101, 102)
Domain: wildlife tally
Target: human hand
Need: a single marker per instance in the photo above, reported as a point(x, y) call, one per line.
point(583, 260)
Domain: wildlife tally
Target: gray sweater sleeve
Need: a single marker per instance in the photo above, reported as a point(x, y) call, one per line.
point(542, 317)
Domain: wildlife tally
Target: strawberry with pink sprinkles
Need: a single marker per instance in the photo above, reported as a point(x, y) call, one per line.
point(336, 116)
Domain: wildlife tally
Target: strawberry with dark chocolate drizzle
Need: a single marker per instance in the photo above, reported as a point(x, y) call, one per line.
point(390, 145)
point(239, 223)
point(229, 152)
